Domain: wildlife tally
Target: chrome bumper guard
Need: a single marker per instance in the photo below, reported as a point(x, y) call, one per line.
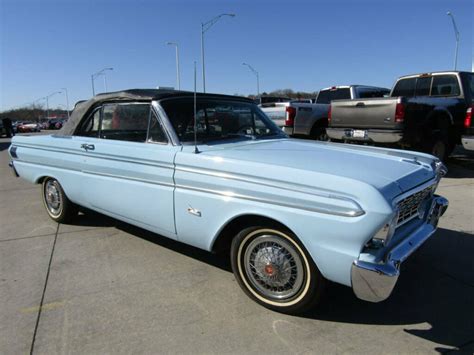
point(11, 165)
point(374, 282)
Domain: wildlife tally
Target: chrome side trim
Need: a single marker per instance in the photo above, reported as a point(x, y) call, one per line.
point(96, 155)
point(131, 178)
point(229, 194)
point(257, 181)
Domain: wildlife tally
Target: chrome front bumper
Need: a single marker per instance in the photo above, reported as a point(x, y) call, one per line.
point(374, 282)
point(372, 135)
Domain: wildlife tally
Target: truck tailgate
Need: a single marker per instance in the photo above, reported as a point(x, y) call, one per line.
point(276, 112)
point(376, 113)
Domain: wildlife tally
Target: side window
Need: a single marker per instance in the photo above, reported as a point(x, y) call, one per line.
point(90, 126)
point(404, 87)
point(125, 122)
point(423, 85)
point(445, 85)
point(156, 134)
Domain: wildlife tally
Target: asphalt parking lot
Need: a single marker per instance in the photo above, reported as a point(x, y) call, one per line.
point(101, 286)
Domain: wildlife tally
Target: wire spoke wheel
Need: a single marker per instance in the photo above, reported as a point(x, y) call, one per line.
point(273, 267)
point(53, 197)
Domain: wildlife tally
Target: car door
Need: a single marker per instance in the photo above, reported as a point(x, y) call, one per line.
point(128, 168)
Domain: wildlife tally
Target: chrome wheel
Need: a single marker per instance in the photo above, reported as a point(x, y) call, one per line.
point(52, 197)
point(274, 267)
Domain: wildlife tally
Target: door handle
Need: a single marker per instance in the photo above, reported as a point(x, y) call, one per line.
point(87, 146)
point(360, 104)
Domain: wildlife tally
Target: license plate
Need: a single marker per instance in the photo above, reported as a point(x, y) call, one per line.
point(357, 133)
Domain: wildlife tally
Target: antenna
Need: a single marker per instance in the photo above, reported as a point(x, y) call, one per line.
point(196, 150)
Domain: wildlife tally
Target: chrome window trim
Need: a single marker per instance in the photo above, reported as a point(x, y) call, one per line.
point(154, 113)
point(166, 124)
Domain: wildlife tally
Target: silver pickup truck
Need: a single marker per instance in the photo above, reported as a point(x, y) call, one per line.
point(310, 120)
point(424, 112)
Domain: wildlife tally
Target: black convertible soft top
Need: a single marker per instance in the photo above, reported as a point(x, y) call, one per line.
point(84, 107)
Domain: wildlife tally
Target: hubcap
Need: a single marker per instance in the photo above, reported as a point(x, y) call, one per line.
point(273, 267)
point(53, 197)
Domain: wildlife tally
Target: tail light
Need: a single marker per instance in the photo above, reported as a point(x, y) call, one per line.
point(329, 114)
point(290, 116)
point(468, 118)
point(399, 113)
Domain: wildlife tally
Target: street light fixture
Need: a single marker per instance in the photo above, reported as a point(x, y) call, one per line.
point(47, 102)
point(100, 72)
point(177, 63)
point(67, 101)
point(205, 26)
point(256, 74)
point(456, 34)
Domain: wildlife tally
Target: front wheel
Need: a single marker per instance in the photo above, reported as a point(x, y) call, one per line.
point(57, 205)
point(272, 267)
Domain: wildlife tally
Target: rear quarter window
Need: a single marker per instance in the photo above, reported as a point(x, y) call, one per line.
point(404, 87)
point(445, 85)
point(326, 96)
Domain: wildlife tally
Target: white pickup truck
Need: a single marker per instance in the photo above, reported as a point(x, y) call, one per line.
point(310, 120)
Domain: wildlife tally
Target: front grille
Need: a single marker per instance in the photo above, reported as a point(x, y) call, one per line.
point(408, 207)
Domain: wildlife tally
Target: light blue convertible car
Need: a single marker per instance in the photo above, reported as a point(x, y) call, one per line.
point(292, 213)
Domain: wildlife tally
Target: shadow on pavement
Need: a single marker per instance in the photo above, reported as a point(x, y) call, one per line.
point(436, 287)
point(89, 218)
point(439, 294)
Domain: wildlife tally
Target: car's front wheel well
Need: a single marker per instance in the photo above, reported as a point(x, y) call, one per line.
point(40, 179)
point(223, 240)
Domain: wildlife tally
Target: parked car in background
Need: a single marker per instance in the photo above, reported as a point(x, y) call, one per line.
point(291, 213)
point(3, 131)
point(28, 126)
point(424, 112)
point(310, 120)
point(55, 123)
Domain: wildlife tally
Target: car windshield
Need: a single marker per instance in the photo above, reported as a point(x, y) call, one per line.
point(219, 120)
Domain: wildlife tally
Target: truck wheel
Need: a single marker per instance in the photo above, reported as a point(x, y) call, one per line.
point(57, 205)
point(438, 146)
point(319, 134)
point(274, 269)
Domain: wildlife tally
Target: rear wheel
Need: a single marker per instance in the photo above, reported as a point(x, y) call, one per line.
point(57, 205)
point(438, 145)
point(272, 267)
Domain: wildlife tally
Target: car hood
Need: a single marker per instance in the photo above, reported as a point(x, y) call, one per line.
point(390, 171)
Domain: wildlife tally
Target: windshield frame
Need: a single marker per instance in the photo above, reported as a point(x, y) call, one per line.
point(160, 109)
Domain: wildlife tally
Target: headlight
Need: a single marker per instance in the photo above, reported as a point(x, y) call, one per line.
point(385, 234)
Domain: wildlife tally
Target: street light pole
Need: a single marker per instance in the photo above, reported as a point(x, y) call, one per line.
point(67, 101)
point(205, 26)
point(256, 74)
point(456, 34)
point(177, 63)
point(95, 75)
point(47, 102)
